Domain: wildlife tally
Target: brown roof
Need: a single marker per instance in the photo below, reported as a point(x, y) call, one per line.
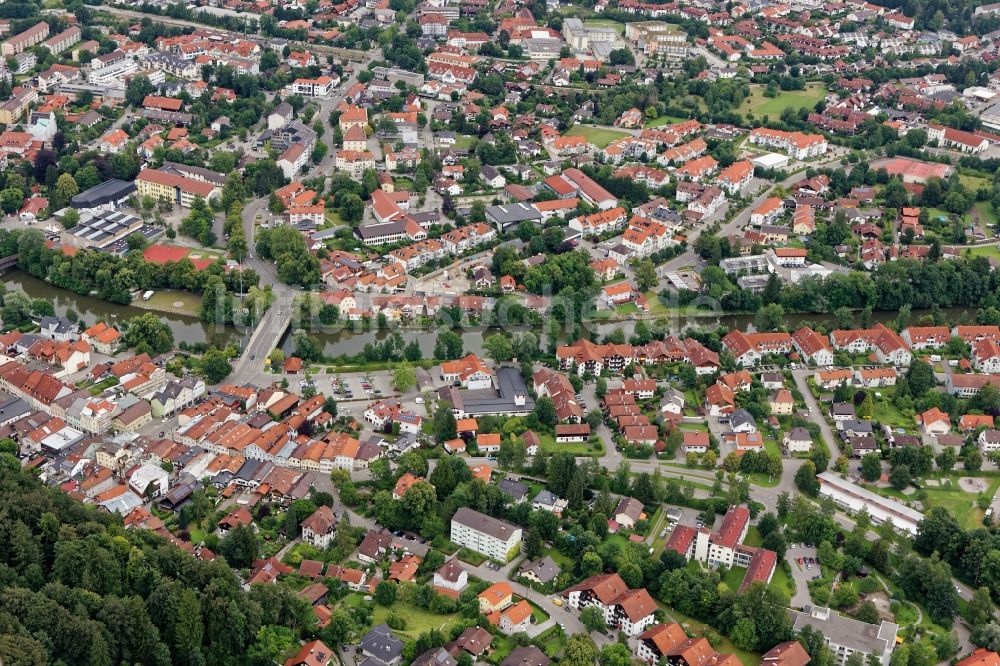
point(606, 587)
point(451, 570)
point(321, 520)
point(791, 653)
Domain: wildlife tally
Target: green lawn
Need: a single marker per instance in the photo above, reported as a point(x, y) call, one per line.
point(181, 302)
point(760, 106)
point(418, 620)
point(463, 142)
point(973, 183)
point(754, 538)
point(987, 216)
point(563, 560)
point(471, 557)
point(598, 136)
point(333, 217)
point(783, 581)
point(665, 120)
point(990, 251)
point(734, 577)
point(627, 308)
point(959, 503)
point(549, 445)
point(888, 414)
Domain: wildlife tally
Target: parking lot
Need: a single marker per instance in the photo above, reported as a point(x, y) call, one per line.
point(363, 388)
point(802, 560)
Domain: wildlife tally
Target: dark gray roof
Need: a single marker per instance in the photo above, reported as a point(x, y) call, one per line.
point(375, 230)
point(106, 192)
point(544, 569)
point(13, 409)
point(382, 644)
point(515, 489)
point(435, 657)
point(741, 417)
point(512, 213)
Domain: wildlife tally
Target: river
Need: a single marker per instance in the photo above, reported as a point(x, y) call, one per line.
point(349, 341)
point(186, 328)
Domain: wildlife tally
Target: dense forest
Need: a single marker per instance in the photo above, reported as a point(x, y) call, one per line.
point(76, 588)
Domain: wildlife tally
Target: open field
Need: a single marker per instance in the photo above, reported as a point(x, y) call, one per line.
point(759, 105)
point(418, 620)
point(665, 120)
point(596, 135)
point(549, 445)
point(990, 251)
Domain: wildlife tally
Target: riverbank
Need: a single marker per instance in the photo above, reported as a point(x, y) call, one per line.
point(180, 310)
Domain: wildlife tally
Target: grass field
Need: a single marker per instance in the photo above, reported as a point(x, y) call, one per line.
point(418, 620)
point(549, 445)
point(665, 120)
point(734, 577)
point(991, 251)
point(959, 503)
point(627, 308)
point(973, 183)
point(596, 135)
point(760, 106)
point(333, 217)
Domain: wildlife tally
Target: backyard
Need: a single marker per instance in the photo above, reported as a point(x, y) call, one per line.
point(598, 136)
point(759, 105)
point(418, 620)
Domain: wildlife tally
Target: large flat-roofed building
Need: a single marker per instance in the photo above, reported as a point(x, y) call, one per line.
point(107, 196)
point(103, 229)
point(510, 398)
point(511, 215)
point(169, 186)
point(845, 635)
point(24, 40)
point(852, 497)
point(494, 538)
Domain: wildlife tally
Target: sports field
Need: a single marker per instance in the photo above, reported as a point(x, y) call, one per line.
point(598, 136)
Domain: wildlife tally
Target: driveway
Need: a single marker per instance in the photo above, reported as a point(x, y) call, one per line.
point(570, 620)
point(816, 412)
point(801, 574)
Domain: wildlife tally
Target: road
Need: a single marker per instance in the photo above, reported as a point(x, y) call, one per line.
point(816, 412)
point(268, 332)
point(272, 326)
point(570, 620)
point(735, 225)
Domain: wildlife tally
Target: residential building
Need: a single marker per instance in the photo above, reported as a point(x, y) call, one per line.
point(494, 538)
point(846, 636)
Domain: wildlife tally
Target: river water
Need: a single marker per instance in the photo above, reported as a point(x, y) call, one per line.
point(349, 341)
point(92, 309)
